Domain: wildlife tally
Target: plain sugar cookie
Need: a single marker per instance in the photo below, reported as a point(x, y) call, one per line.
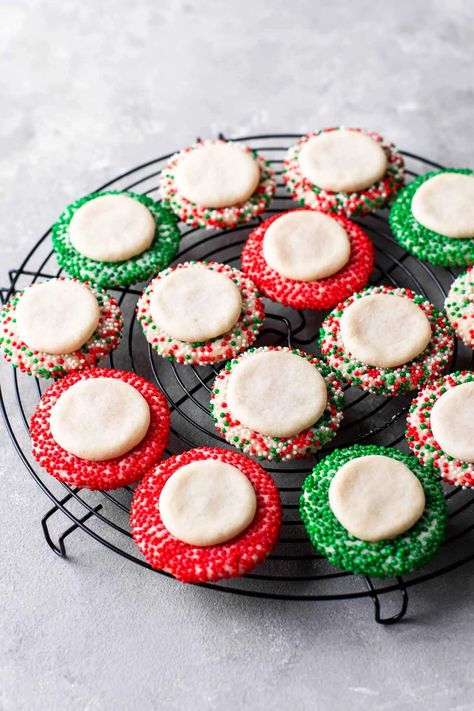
point(276, 393)
point(208, 502)
point(445, 204)
point(376, 497)
point(452, 422)
point(217, 175)
point(195, 304)
point(112, 228)
point(343, 160)
point(306, 245)
point(58, 316)
point(99, 419)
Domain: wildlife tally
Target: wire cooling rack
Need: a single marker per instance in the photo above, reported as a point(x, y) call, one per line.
point(294, 571)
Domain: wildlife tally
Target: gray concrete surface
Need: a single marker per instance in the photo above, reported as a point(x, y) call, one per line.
point(90, 89)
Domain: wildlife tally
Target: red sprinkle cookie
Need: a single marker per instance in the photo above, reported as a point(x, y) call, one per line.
point(320, 293)
point(274, 395)
point(459, 306)
point(53, 312)
point(228, 316)
point(100, 473)
point(372, 182)
point(207, 563)
point(217, 183)
point(453, 424)
point(411, 374)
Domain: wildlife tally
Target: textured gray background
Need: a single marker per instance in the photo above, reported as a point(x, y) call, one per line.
point(89, 89)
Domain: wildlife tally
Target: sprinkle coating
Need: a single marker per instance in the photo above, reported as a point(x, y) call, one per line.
point(423, 243)
point(199, 564)
point(105, 338)
point(242, 335)
point(318, 294)
point(420, 436)
point(115, 274)
point(387, 558)
point(277, 448)
point(429, 365)
point(340, 203)
point(459, 306)
point(113, 473)
point(199, 216)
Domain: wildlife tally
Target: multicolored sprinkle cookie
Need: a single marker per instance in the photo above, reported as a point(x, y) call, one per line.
point(198, 215)
point(420, 436)
point(105, 474)
point(29, 360)
point(200, 564)
point(429, 365)
point(384, 558)
point(321, 293)
point(422, 242)
point(223, 347)
point(116, 274)
point(349, 204)
point(267, 447)
point(459, 306)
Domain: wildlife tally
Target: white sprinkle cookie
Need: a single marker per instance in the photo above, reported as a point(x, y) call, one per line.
point(219, 217)
point(428, 365)
point(105, 338)
point(349, 204)
point(277, 448)
point(459, 306)
point(223, 347)
point(420, 436)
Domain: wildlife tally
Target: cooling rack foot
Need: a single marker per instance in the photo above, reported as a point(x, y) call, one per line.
point(60, 547)
point(374, 596)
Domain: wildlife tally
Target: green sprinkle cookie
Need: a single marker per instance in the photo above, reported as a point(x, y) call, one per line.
point(384, 558)
point(138, 268)
point(424, 243)
point(459, 307)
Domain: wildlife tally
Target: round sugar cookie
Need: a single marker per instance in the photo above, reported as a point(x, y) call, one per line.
point(130, 270)
point(201, 564)
point(302, 168)
point(445, 204)
point(423, 242)
point(112, 228)
point(412, 375)
point(99, 419)
point(342, 161)
point(243, 327)
point(59, 314)
point(382, 558)
point(442, 416)
point(452, 422)
point(276, 393)
point(195, 304)
point(376, 497)
point(384, 330)
point(238, 181)
point(459, 307)
point(298, 413)
point(306, 245)
point(103, 474)
point(320, 293)
point(217, 175)
point(207, 503)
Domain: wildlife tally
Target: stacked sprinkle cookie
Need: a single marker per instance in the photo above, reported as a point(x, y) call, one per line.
point(212, 513)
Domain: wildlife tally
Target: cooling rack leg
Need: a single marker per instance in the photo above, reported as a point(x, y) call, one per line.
point(60, 547)
point(377, 606)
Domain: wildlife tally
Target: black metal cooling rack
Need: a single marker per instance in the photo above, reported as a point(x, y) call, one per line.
point(294, 571)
